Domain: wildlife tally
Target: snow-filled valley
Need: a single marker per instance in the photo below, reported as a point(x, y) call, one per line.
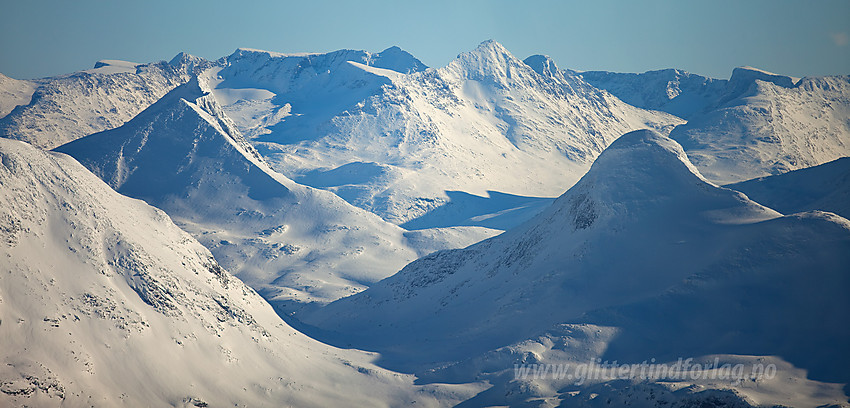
point(355, 228)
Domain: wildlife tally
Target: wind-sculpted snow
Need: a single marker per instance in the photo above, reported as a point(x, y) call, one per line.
point(105, 302)
point(487, 121)
point(642, 244)
point(67, 107)
point(292, 243)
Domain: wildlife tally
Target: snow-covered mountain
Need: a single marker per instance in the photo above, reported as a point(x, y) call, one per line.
point(674, 91)
point(773, 127)
point(755, 124)
point(105, 302)
point(292, 243)
point(825, 187)
point(394, 142)
point(66, 107)
point(644, 249)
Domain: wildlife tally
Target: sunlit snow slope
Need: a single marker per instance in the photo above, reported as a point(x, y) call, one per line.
point(774, 126)
point(755, 124)
point(14, 92)
point(67, 107)
point(105, 302)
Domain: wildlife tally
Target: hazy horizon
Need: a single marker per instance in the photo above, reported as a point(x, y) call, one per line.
point(795, 38)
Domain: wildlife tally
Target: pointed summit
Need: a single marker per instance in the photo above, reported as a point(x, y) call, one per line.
point(490, 60)
point(189, 62)
point(489, 50)
point(181, 139)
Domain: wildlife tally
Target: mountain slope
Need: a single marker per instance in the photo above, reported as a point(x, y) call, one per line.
point(68, 107)
point(292, 243)
point(772, 128)
point(14, 92)
point(105, 302)
point(642, 244)
point(753, 125)
point(394, 143)
point(825, 187)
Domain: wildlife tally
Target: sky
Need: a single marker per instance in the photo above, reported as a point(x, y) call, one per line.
point(41, 38)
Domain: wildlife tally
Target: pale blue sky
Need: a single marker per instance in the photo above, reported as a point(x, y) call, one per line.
point(40, 38)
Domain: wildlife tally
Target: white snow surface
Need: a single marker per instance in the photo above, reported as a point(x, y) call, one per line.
point(643, 247)
point(14, 92)
point(113, 67)
point(293, 244)
point(771, 128)
point(755, 124)
point(678, 92)
point(394, 142)
point(67, 107)
point(105, 302)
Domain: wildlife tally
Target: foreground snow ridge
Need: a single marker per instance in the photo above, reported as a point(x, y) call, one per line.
point(105, 302)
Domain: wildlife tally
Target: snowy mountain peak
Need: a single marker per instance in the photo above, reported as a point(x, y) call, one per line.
point(635, 147)
point(176, 133)
point(749, 74)
point(489, 60)
point(744, 77)
point(185, 156)
point(646, 172)
point(490, 50)
point(491, 45)
point(396, 59)
point(190, 62)
point(542, 64)
point(641, 162)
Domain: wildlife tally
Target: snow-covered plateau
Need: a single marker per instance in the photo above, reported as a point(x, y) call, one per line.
point(355, 228)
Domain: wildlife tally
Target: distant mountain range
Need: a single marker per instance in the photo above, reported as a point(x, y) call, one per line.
point(463, 225)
